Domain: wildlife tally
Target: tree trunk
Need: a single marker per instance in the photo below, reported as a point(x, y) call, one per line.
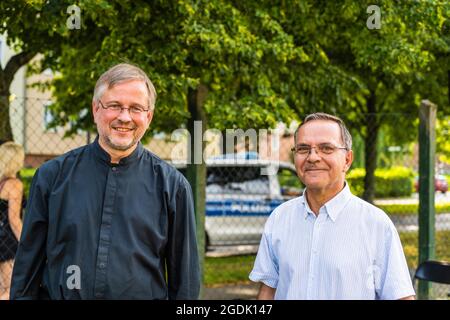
point(196, 168)
point(6, 77)
point(370, 146)
point(448, 85)
point(5, 123)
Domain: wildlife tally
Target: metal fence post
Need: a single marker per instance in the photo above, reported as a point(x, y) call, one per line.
point(427, 149)
point(196, 169)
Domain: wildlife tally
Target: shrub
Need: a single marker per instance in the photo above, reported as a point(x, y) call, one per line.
point(411, 208)
point(26, 175)
point(392, 182)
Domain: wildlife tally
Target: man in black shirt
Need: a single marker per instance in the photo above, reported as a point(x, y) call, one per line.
point(110, 220)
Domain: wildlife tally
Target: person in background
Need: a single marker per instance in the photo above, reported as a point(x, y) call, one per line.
point(11, 194)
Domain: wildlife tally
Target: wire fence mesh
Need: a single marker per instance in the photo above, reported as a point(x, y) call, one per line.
point(239, 198)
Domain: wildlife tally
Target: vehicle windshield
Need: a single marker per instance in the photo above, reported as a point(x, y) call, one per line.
point(245, 179)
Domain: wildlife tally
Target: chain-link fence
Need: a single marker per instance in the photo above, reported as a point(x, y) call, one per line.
point(240, 197)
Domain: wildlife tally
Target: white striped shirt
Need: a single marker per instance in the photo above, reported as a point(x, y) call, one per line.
point(351, 250)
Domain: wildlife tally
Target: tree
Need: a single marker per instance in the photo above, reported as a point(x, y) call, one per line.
point(384, 69)
point(263, 62)
point(242, 58)
point(29, 30)
point(443, 139)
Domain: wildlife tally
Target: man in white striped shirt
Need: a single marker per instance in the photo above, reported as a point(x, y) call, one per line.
point(328, 243)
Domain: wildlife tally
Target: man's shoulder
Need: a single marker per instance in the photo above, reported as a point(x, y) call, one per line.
point(288, 207)
point(56, 163)
point(290, 204)
point(370, 211)
point(167, 170)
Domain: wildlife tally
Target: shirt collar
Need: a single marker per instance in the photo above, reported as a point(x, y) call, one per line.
point(334, 206)
point(104, 156)
point(307, 210)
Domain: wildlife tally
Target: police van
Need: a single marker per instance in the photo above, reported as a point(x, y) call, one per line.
point(241, 194)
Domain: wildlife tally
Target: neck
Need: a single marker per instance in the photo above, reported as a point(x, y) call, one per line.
point(116, 155)
point(318, 197)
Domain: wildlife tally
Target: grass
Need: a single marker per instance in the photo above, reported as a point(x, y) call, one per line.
point(26, 174)
point(233, 270)
point(228, 270)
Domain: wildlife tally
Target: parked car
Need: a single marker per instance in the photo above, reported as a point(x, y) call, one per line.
point(440, 184)
point(241, 194)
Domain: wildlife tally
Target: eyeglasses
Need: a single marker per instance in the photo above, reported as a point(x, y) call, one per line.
point(117, 108)
point(323, 148)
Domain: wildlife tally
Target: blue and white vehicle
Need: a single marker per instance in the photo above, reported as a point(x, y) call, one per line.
point(241, 194)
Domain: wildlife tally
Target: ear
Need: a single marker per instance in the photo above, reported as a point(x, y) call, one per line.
point(95, 107)
point(348, 160)
point(149, 117)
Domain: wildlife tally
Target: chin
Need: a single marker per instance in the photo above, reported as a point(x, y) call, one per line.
point(316, 182)
point(121, 145)
point(314, 186)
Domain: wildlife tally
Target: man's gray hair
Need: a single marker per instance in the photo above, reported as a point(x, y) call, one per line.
point(124, 72)
point(345, 134)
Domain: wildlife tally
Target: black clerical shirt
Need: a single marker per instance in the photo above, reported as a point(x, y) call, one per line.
point(96, 230)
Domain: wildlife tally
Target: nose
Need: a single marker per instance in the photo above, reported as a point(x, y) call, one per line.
point(313, 156)
point(124, 115)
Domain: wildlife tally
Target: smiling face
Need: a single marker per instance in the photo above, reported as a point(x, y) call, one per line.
point(119, 133)
point(322, 173)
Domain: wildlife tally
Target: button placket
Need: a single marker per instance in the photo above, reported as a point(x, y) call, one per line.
point(105, 235)
point(314, 260)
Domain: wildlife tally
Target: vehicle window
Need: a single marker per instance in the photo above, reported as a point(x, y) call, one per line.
point(289, 182)
point(245, 180)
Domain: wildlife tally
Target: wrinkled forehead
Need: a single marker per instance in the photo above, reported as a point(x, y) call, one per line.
point(319, 131)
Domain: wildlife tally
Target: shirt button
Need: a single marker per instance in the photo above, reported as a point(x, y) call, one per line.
point(114, 169)
point(102, 265)
point(99, 295)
